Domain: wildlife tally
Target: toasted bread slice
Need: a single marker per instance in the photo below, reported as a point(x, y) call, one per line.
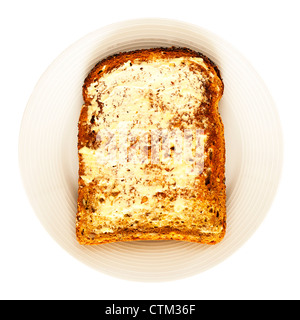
point(151, 149)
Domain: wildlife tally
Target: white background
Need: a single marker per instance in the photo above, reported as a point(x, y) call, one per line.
point(33, 34)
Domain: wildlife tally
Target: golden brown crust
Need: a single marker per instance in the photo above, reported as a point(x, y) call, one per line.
point(116, 60)
point(211, 191)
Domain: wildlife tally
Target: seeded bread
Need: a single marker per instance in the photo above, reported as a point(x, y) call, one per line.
point(151, 91)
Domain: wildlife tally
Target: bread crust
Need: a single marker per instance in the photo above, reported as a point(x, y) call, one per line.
point(211, 183)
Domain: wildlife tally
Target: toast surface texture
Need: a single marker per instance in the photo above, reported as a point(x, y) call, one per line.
point(151, 149)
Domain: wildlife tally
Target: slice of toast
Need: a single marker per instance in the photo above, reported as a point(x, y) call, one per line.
point(151, 149)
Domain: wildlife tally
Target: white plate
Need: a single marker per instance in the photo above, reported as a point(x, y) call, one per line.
point(48, 150)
